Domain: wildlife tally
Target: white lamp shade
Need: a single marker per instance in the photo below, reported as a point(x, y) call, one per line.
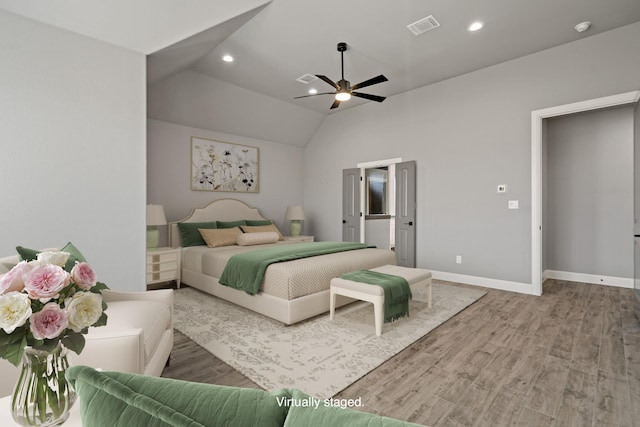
point(294, 213)
point(155, 215)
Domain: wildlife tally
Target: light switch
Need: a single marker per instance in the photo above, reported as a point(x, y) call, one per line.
point(513, 204)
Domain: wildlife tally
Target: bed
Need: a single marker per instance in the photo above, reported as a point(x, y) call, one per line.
point(291, 291)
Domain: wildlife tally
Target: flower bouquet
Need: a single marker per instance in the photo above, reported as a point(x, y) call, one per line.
point(45, 310)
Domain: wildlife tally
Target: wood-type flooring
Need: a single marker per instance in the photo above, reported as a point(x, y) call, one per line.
point(570, 357)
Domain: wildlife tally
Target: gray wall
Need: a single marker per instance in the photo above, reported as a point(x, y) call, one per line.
point(194, 99)
point(168, 171)
point(467, 135)
point(72, 120)
point(590, 193)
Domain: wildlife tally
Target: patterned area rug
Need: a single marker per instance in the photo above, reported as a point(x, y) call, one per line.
point(318, 356)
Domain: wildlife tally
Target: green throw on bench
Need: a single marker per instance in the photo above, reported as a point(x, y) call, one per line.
point(397, 291)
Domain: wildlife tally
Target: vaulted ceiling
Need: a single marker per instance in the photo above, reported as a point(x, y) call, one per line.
point(275, 42)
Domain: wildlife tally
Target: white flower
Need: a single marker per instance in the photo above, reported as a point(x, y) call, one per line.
point(15, 309)
point(58, 258)
point(84, 309)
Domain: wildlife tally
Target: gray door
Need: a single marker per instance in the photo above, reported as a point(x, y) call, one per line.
point(406, 214)
point(351, 205)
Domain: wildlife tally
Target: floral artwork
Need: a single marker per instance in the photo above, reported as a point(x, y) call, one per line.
point(222, 166)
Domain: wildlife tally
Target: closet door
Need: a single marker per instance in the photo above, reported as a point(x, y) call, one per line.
point(406, 214)
point(351, 213)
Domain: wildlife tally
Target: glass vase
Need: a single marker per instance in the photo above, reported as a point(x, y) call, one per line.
point(42, 396)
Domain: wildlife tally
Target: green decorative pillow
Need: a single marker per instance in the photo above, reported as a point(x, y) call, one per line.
point(335, 412)
point(231, 224)
point(258, 222)
point(190, 234)
point(118, 399)
point(27, 254)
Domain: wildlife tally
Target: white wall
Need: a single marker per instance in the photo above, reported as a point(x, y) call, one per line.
point(72, 120)
point(590, 193)
point(168, 168)
point(468, 134)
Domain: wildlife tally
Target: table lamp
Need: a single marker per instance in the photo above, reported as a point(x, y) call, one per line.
point(295, 214)
point(155, 217)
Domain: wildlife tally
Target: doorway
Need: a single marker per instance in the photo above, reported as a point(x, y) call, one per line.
point(537, 188)
point(379, 200)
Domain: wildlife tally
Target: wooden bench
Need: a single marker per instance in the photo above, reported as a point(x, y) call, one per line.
point(419, 280)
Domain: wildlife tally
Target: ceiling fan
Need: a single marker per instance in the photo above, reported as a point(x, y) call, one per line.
point(344, 90)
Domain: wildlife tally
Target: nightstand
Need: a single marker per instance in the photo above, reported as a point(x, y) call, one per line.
point(299, 239)
point(163, 265)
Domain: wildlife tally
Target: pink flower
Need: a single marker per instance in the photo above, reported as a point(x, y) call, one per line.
point(13, 280)
point(45, 281)
point(49, 322)
point(83, 275)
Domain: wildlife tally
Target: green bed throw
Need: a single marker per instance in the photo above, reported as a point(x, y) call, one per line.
point(245, 271)
point(397, 292)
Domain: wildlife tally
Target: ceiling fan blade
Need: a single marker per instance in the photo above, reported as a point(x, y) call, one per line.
point(369, 97)
point(335, 104)
point(315, 94)
point(328, 81)
point(370, 82)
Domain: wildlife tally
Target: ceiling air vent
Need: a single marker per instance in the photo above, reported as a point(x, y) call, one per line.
point(423, 25)
point(306, 78)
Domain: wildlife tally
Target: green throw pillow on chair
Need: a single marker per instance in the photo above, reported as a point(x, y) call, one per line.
point(27, 254)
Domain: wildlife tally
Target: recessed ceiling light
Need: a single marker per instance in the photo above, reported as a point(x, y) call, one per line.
point(227, 58)
point(583, 26)
point(313, 91)
point(475, 26)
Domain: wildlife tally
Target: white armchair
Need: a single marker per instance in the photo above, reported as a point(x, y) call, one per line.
point(138, 337)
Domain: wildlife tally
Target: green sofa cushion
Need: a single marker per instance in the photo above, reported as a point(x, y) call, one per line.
point(117, 399)
point(190, 234)
point(332, 416)
point(27, 254)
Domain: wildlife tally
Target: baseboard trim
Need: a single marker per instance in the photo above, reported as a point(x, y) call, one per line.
point(504, 285)
point(621, 282)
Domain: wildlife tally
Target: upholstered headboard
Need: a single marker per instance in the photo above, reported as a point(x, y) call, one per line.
point(218, 210)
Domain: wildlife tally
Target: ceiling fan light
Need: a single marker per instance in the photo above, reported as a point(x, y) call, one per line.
point(343, 96)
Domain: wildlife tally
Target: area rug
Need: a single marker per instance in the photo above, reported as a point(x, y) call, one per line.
point(318, 356)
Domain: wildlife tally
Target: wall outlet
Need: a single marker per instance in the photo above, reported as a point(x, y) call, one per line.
point(458, 259)
point(502, 188)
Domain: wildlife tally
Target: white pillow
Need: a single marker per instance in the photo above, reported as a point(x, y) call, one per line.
point(260, 238)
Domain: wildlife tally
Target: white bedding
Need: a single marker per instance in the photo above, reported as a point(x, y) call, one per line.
point(291, 279)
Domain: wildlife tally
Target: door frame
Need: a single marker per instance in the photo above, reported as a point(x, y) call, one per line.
point(369, 165)
point(537, 118)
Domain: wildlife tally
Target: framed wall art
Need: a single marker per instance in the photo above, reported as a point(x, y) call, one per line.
point(223, 166)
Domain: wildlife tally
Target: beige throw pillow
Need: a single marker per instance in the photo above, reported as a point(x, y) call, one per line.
point(262, 228)
point(216, 237)
point(260, 238)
